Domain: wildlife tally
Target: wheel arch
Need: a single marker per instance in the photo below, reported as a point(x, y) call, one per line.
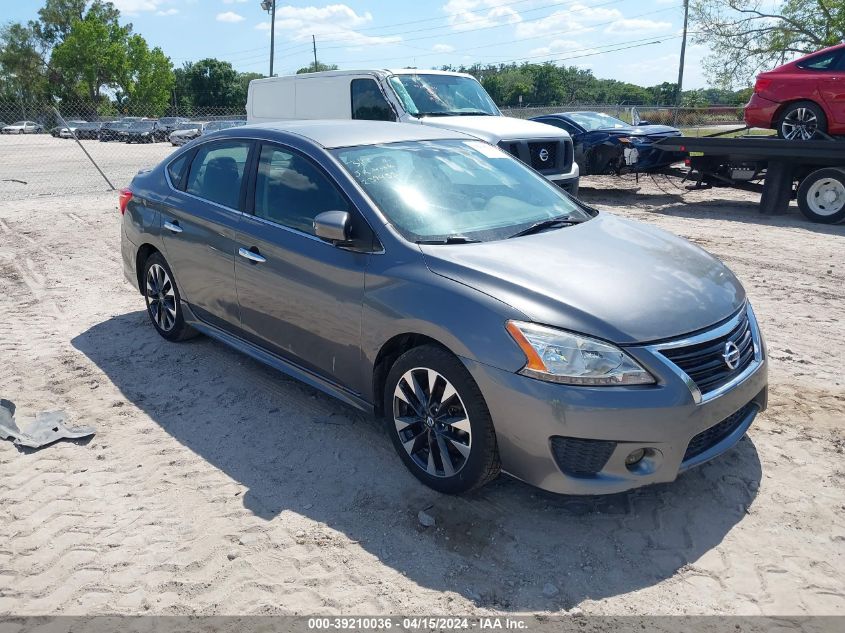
point(387, 355)
point(143, 254)
point(786, 104)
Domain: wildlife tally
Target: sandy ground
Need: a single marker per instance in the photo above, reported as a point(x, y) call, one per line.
point(217, 486)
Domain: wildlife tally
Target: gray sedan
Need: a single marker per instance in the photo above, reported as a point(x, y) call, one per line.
point(493, 321)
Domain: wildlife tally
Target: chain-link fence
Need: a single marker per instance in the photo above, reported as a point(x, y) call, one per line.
point(39, 155)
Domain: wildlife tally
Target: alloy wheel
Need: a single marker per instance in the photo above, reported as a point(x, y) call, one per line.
point(161, 298)
point(800, 124)
point(432, 422)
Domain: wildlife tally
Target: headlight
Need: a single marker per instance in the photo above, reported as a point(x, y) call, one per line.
point(564, 357)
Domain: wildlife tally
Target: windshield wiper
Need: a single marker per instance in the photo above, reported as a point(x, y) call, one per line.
point(441, 113)
point(473, 113)
point(561, 220)
point(452, 239)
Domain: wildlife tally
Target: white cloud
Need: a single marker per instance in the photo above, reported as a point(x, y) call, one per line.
point(556, 47)
point(634, 25)
point(230, 16)
point(578, 18)
point(333, 22)
point(442, 48)
point(167, 12)
point(477, 14)
point(133, 7)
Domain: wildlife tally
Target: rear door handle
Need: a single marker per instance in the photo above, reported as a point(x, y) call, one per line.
point(252, 255)
point(173, 227)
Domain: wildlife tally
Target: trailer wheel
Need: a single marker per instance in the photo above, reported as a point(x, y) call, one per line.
point(821, 195)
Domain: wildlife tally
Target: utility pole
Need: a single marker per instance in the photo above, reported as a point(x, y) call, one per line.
point(681, 64)
point(314, 44)
point(270, 6)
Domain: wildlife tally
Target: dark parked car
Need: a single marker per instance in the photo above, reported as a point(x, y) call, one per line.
point(89, 130)
point(187, 131)
point(112, 130)
point(418, 273)
point(606, 145)
point(802, 98)
point(170, 123)
point(144, 131)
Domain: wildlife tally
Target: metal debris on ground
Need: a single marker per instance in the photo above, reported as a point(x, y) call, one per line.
point(47, 427)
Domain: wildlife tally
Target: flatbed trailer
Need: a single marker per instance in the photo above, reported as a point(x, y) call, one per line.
point(811, 171)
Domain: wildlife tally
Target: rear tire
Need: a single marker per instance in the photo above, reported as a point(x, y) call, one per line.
point(439, 422)
point(164, 303)
point(821, 195)
point(801, 121)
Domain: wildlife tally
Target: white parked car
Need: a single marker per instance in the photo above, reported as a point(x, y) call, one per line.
point(454, 101)
point(23, 127)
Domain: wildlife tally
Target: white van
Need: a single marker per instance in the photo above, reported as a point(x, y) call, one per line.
point(454, 101)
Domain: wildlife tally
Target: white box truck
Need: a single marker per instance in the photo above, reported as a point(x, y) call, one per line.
point(454, 101)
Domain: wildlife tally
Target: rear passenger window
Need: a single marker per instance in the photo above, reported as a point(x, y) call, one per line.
point(368, 102)
point(217, 172)
point(291, 191)
point(176, 170)
point(821, 62)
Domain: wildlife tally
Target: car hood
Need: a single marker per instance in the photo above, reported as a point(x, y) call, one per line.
point(648, 130)
point(496, 128)
point(611, 278)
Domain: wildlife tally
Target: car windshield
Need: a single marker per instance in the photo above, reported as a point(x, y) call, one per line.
point(20, 122)
point(168, 120)
point(455, 190)
point(598, 121)
point(442, 95)
point(142, 126)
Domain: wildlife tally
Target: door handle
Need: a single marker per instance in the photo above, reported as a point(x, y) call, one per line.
point(251, 255)
point(173, 227)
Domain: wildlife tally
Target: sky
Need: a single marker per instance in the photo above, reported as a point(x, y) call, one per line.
point(630, 40)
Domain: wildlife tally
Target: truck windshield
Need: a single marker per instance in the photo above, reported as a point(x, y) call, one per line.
point(442, 95)
point(457, 191)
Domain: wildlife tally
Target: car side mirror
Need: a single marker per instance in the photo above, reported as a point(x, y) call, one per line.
point(333, 226)
point(642, 122)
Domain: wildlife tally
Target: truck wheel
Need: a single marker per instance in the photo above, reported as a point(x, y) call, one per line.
point(821, 195)
point(801, 121)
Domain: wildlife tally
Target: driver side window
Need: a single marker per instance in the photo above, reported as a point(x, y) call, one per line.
point(290, 190)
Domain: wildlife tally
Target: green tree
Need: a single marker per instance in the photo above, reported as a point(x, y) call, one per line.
point(749, 36)
point(146, 78)
point(316, 67)
point(210, 83)
point(22, 64)
point(93, 53)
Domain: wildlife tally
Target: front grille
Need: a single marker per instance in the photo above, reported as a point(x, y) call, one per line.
point(715, 434)
point(581, 458)
point(705, 363)
point(539, 150)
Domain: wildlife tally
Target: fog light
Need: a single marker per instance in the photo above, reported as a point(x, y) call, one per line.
point(635, 457)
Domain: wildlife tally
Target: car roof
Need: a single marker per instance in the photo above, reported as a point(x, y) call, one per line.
point(344, 133)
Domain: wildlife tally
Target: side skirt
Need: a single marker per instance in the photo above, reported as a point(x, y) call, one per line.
point(277, 363)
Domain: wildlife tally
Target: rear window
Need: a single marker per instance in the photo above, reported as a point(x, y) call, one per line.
point(176, 170)
point(217, 172)
point(826, 61)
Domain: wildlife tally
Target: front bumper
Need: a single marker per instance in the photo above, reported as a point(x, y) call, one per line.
point(663, 419)
point(568, 181)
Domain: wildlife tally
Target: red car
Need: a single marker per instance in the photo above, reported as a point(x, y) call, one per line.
point(802, 98)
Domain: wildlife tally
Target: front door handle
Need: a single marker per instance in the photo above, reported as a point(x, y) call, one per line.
point(173, 227)
point(252, 256)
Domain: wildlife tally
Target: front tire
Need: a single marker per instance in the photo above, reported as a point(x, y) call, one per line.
point(802, 121)
point(821, 195)
point(164, 306)
point(439, 422)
